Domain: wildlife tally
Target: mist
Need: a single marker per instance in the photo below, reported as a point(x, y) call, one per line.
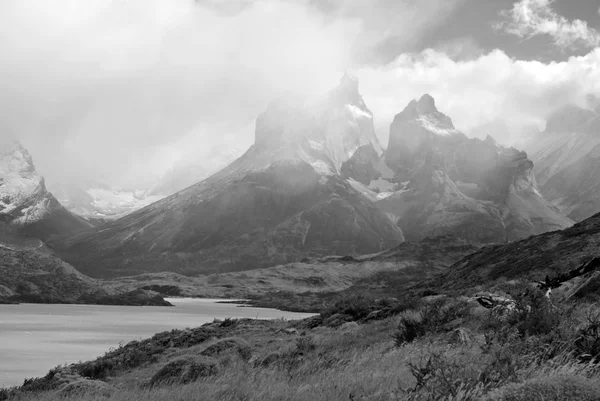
point(120, 91)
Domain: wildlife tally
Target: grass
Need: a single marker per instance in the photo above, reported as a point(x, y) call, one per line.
point(378, 359)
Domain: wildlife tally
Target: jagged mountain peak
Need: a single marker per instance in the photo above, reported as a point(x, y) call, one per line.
point(14, 158)
point(426, 104)
point(325, 132)
point(25, 203)
point(424, 113)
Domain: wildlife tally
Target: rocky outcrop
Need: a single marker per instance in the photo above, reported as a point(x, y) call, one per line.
point(283, 200)
point(25, 204)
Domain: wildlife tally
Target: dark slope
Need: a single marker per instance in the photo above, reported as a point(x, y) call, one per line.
point(531, 259)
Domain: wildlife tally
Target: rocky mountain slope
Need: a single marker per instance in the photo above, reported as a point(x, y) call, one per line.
point(433, 180)
point(26, 206)
point(283, 200)
point(567, 161)
point(531, 259)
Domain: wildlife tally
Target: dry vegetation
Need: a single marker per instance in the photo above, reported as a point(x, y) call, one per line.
point(419, 348)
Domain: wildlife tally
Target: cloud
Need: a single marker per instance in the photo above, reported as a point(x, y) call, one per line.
point(529, 18)
point(492, 93)
point(115, 90)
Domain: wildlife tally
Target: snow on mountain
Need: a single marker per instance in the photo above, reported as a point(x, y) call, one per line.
point(25, 203)
point(100, 201)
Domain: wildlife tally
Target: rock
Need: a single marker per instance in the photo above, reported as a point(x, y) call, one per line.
point(375, 315)
point(185, 370)
point(87, 388)
point(229, 346)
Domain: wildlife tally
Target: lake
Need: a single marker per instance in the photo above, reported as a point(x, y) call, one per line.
point(34, 337)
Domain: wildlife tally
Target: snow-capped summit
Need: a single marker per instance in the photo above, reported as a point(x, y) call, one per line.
point(25, 203)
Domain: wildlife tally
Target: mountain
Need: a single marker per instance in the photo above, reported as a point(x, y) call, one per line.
point(96, 201)
point(532, 259)
point(567, 161)
point(26, 206)
point(283, 200)
point(34, 276)
point(433, 180)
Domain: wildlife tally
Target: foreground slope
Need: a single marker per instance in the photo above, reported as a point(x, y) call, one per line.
point(283, 200)
point(567, 161)
point(444, 183)
point(531, 259)
point(26, 206)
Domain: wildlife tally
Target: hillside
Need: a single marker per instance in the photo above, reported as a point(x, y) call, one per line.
point(528, 260)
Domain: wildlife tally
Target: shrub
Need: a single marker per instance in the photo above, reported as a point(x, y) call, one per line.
point(587, 343)
point(83, 387)
point(185, 370)
point(228, 345)
point(433, 318)
point(409, 329)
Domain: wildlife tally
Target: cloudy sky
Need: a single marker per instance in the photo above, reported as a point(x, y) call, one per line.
point(119, 90)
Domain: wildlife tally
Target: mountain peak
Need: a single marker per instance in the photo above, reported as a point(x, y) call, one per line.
point(15, 158)
point(349, 80)
point(426, 104)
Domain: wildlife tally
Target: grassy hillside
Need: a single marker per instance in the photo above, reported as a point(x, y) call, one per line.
point(431, 348)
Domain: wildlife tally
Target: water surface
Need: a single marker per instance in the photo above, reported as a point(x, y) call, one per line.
point(34, 338)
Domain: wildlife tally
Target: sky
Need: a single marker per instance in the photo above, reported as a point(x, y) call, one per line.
point(118, 91)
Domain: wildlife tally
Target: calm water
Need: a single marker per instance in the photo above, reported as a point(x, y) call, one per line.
point(34, 338)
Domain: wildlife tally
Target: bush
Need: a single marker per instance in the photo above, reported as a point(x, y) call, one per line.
point(229, 345)
point(587, 343)
point(409, 329)
point(85, 387)
point(433, 318)
point(185, 370)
